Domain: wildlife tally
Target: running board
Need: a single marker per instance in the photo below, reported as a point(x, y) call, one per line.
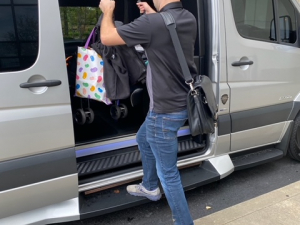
point(115, 199)
point(125, 157)
point(256, 158)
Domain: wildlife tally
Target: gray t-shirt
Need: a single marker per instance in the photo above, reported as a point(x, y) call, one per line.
point(165, 81)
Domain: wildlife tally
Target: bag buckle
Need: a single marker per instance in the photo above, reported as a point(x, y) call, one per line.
point(193, 90)
point(190, 83)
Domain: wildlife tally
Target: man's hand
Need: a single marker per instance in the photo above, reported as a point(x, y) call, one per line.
point(145, 8)
point(109, 34)
point(107, 6)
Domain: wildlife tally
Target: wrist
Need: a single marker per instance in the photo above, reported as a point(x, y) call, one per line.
point(109, 12)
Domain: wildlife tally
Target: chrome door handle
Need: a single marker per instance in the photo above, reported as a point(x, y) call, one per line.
point(46, 83)
point(242, 63)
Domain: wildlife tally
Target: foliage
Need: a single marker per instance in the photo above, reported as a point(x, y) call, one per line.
point(77, 22)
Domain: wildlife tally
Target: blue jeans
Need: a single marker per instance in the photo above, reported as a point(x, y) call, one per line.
point(158, 144)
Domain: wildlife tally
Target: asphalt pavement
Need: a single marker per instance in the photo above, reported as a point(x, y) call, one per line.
point(203, 201)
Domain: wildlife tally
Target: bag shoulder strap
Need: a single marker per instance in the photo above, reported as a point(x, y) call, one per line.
point(171, 25)
point(92, 35)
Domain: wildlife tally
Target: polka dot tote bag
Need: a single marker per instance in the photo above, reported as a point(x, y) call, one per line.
point(89, 74)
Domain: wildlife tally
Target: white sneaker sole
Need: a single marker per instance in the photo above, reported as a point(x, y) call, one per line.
point(150, 197)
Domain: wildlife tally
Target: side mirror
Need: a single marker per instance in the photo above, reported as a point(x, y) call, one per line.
point(285, 24)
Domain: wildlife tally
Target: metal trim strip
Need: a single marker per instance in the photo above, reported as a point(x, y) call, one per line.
point(116, 144)
point(224, 124)
point(260, 117)
point(37, 168)
point(139, 173)
point(37, 195)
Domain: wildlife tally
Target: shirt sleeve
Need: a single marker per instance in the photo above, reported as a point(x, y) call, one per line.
point(136, 32)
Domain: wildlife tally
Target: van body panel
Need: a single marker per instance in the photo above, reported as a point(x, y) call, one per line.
point(222, 47)
point(34, 169)
point(259, 136)
point(224, 124)
point(285, 130)
point(61, 212)
point(295, 110)
point(262, 93)
point(224, 92)
point(34, 196)
point(297, 98)
point(38, 120)
point(223, 145)
point(34, 130)
point(50, 64)
point(35, 121)
point(273, 77)
point(250, 95)
point(254, 118)
point(223, 165)
point(286, 137)
point(296, 4)
point(224, 89)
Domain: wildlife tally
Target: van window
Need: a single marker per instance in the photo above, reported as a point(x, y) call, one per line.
point(287, 21)
point(253, 18)
point(78, 22)
point(18, 34)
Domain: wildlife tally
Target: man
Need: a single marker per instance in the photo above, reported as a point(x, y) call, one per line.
point(157, 137)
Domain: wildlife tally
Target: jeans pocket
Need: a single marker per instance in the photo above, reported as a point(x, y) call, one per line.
point(170, 126)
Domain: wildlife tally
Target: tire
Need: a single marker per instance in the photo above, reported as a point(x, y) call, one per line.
point(90, 115)
point(294, 147)
point(115, 112)
point(124, 111)
point(80, 117)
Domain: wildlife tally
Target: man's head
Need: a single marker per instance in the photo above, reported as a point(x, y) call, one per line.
point(159, 4)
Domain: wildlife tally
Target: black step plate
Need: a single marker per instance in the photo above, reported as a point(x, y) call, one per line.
point(124, 157)
point(256, 158)
point(117, 199)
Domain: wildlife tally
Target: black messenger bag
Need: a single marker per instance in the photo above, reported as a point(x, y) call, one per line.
point(201, 102)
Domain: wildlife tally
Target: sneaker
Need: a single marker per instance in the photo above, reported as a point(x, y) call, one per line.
point(140, 190)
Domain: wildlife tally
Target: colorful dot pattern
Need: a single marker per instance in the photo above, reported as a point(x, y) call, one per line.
point(89, 78)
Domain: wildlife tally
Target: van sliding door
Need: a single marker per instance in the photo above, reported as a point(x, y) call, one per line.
point(263, 70)
point(37, 157)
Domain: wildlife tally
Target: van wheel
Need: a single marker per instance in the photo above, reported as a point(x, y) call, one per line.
point(115, 112)
point(294, 148)
point(90, 115)
point(124, 111)
point(80, 117)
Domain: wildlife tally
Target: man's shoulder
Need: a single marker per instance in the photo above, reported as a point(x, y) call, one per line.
point(153, 16)
point(158, 18)
point(139, 23)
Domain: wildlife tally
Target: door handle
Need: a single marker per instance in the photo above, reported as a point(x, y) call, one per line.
point(242, 63)
point(46, 83)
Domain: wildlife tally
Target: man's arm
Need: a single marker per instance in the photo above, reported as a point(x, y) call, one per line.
point(109, 34)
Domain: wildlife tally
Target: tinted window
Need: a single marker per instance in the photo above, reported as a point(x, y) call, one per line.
point(34, 2)
point(254, 18)
point(18, 34)
point(78, 22)
point(4, 2)
point(287, 21)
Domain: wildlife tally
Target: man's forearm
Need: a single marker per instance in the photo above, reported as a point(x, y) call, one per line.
point(107, 26)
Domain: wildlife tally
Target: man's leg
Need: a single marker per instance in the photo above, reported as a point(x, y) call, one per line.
point(149, 187)
point(150, 179)
point(164, 145)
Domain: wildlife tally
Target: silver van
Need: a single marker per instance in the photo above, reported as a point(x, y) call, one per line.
point(55, 168)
